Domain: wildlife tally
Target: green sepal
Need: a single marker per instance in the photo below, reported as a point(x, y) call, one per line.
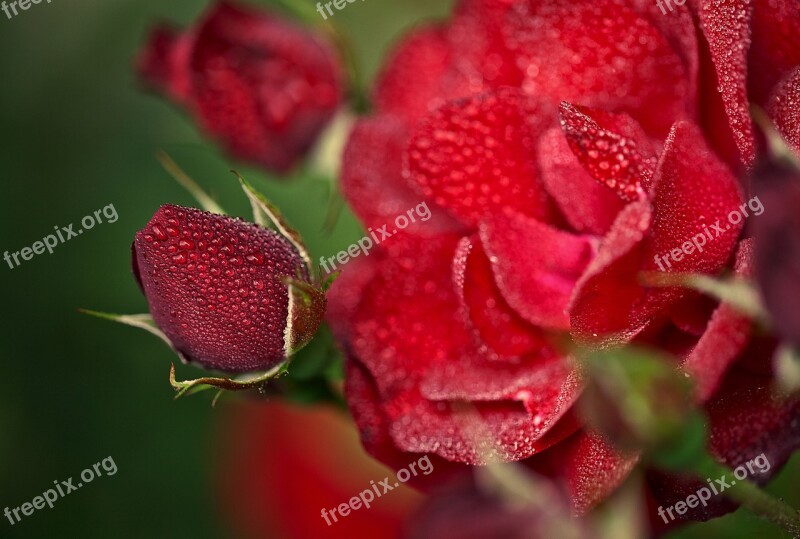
point(265, 212)
point(141, 321)
point(244, 382)
point(178, 174)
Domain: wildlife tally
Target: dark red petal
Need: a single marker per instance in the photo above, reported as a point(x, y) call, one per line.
point(496, 326)
point(726, 28)
point(215, 287)
point(590, 468)
point(477, 157)
point(784, 108)
point(602, 54)
point(261, 85)
point(776, 44)
point(535, 266)
point(747, 419)
point(588, 206)
point(467, 512)
point(611, 157)
point(777, 233)
point(163, 62)
point(372, 178)
point(726, 336)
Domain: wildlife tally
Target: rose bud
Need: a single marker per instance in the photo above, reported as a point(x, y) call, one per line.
point(229, 295)
point(261, 86)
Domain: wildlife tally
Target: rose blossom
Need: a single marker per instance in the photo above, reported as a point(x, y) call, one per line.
point(560, 147)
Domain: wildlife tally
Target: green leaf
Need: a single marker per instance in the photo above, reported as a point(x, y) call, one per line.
point(685, 450)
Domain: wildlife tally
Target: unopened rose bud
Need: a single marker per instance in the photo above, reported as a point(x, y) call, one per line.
point(229, 295)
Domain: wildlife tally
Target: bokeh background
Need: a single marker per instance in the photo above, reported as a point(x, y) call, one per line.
point(78, 133)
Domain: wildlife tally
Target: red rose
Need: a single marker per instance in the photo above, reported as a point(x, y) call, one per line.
point(216, 287)
point(563, 149)
point(260, 85)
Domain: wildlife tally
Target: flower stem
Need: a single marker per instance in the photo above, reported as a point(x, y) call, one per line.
point(751, 497)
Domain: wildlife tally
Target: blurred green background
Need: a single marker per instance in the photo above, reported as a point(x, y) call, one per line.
point(78, 134)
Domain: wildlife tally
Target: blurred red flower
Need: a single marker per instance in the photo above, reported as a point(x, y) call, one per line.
point(260, 85)
point(276, 477)
point(561, 147)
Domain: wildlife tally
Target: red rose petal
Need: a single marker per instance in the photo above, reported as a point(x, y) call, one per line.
point(535, 266)
point(545, 377)
point(496, 326)
point(373, 425)
point(692, 190)
point(477, 157)
point(784, 108)
point(608, 299)
point(588, 465)
point(723, 341)
point(481, 54)
point(726, 27)
point(417, 78)
point(346, 291)
point(679, 29)
point(726, 336)
point(407, 320)
point(601, 54)
point(372, 178)
point(587, 205)
point(469, 433)
point(612, 158)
